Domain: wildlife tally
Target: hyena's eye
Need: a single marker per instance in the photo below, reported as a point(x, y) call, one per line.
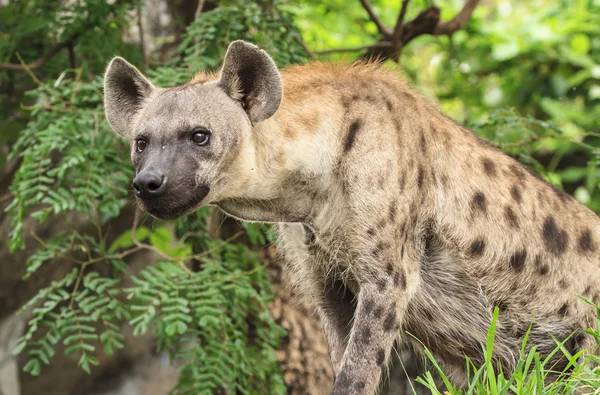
point(140, 145)
point(201, 136)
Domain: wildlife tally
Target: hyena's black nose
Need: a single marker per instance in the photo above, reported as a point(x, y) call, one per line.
point(149, 183)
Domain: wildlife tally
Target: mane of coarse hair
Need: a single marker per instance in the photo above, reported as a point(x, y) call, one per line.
point(340, 70)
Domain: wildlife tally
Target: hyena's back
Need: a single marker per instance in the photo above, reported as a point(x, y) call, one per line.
point(487, 231)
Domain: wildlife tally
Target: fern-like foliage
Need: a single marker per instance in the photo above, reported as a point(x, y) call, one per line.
point(215, 320)
point(204, 300)
point(90, 169)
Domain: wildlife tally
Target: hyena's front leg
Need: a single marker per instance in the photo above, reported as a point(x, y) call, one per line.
point(334, 302)
point(376, 326)
point(388, 277)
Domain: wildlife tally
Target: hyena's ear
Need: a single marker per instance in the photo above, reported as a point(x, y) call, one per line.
point(250, 76)
point(125, 88)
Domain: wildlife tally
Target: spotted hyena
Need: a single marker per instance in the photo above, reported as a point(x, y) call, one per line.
point(396, 222)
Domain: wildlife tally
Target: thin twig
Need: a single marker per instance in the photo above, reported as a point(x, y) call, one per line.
point(151, 247)
point(115, 256)
point(211, 250)
point(45, 245)
point(300, 42)
point(199, 9)
point(384, 30)
point(41, 61)
point(396, 42)
point(29, 71)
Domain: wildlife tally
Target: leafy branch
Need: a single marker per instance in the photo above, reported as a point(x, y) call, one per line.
point(38, 63)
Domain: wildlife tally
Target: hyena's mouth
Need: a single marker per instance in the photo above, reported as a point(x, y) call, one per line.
point(174, 205)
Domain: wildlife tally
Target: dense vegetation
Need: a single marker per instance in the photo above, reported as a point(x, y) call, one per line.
point(525, 76)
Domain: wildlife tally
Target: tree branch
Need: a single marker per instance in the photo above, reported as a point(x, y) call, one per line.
point(459, 21)
point(398, 29)
point(424, 23)
point(41, 61)
point(300, 42)
point(391, 43)
point(384, 30)
point(199, 9)
point(141, 32)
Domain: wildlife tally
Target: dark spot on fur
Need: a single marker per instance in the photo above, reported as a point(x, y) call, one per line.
point(489, 167)
point(585, 243)
point(365, 335)
point(519, 171)
point(390, 321)
point(343, 381)
point(381, 284)
point(398, 126)
point(396, 279)
point(444, 181)
point(587, 290)
point(371, 232)
point(562, 195)
point(564, 310)
point(370, 99)
point(403, 279)
point(389, 105)
point(517, 260)
point(541, 268)
point(360, 385)
point(351, 136)
point(389, 268)
point(380, 357)
point(555, 239)
point(381, 181)
point(511, 217)
point(420, 177)
point(477, 247)
point(392, 212)
point(378, 249)
point(478, 202)
point(423, 143)
point(516, 193)
point(402, 181)
point(502, 305)
point(563, 283)
point(378, 312)
point(368, 306)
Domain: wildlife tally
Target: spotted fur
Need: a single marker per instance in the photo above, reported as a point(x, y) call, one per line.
point(396, 222)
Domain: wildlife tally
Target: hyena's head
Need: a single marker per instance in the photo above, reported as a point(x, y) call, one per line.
point(188, 142)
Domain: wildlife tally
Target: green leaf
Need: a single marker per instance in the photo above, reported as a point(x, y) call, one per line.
point(33, 367)
point(19, 348)
point(505, 51)
point(124, 240)
point(161, 238)
point(580, 44)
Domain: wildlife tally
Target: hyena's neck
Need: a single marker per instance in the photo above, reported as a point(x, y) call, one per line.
point(285, 164)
